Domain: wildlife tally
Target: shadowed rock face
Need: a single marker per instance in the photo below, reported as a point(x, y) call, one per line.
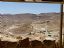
point(6, 44)
point(24, 43)
point(36, 44)
point(29, 44)
point(49, 44)
point(21, 44)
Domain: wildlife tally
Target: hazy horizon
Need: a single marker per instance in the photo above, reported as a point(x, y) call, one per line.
point(27, 13)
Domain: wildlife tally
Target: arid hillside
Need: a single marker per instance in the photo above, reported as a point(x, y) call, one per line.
point(21, 23)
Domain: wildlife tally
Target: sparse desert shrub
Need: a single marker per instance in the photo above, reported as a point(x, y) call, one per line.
point(19, 37)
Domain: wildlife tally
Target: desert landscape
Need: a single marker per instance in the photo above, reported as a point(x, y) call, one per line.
point(30, 25)
point(36, 27)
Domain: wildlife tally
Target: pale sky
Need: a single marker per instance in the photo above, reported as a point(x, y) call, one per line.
point(36, 8)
